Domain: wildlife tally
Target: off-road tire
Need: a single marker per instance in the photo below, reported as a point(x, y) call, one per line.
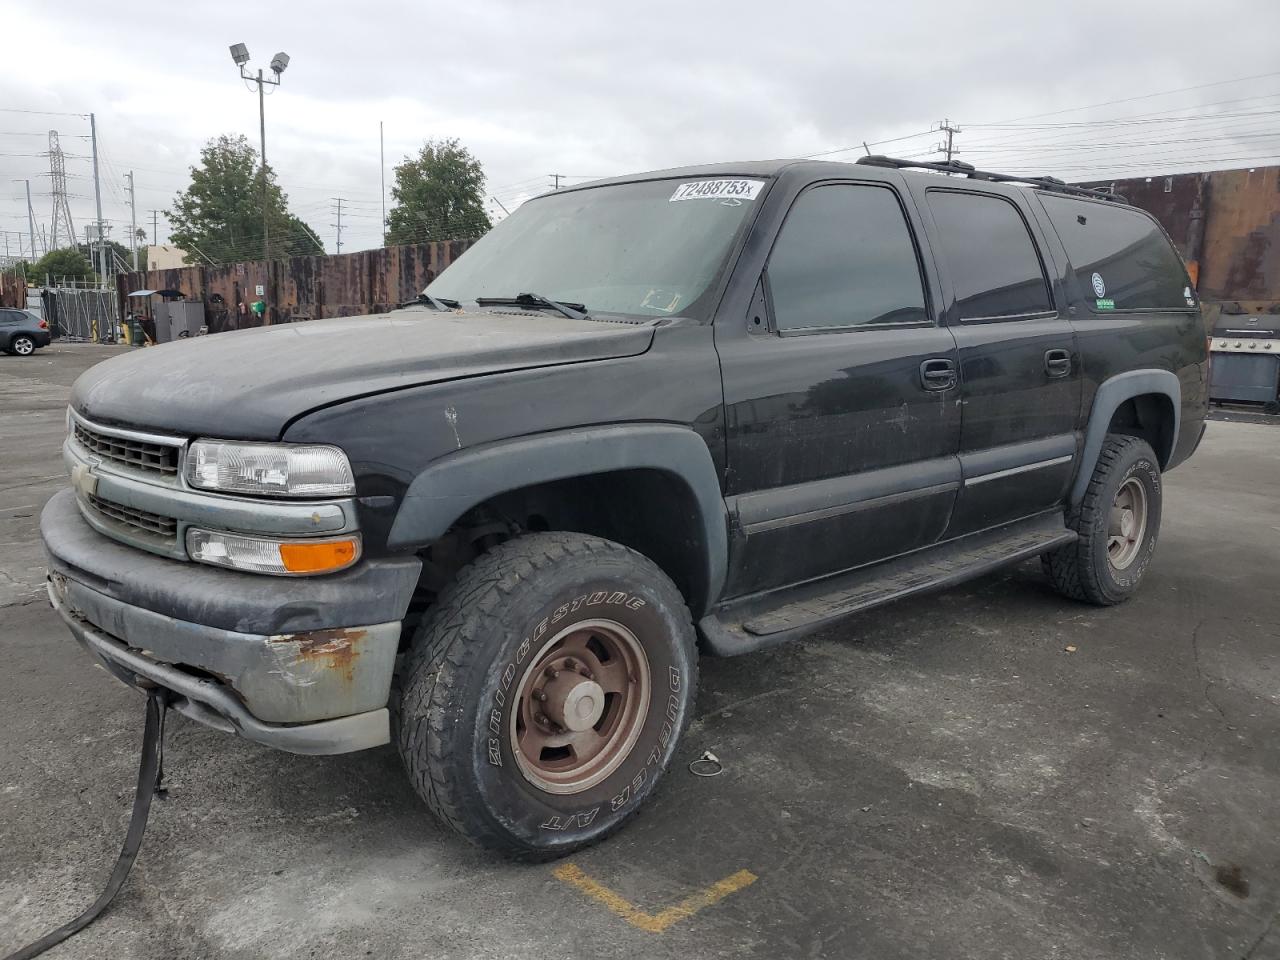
point(463, 670)
point(22, 346)
point(1083, 570)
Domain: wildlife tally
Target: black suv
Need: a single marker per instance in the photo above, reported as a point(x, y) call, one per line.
point(21, 332)
point(715, 407)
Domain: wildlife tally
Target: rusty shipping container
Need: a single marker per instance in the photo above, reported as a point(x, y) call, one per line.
point(300, 288)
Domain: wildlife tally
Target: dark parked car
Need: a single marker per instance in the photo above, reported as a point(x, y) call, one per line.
point(21, 332)
point(708, 409)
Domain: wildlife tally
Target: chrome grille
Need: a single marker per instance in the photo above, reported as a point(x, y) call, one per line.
point(156, 458)
point(153, 523)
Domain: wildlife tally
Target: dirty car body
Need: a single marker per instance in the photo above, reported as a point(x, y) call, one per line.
point(756, 465)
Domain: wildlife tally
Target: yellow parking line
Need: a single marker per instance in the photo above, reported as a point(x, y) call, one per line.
point(653, 922)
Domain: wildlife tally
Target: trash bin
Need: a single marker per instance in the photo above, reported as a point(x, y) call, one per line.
point(134, 333)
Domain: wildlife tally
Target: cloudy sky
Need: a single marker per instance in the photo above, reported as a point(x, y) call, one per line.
point(603, 88)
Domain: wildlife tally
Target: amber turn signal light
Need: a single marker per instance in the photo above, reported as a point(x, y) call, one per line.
point(318, 557)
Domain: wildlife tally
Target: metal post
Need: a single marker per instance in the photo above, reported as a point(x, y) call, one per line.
point(31, 221)
point(155, 227)
point(97, 196)
point(133, 223)
point(262, 132)
point(339, 201)
point(382, 167)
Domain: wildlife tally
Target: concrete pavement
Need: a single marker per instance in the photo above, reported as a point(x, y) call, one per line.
point(988, 772)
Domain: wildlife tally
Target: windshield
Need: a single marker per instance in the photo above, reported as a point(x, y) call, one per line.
point(646, 249)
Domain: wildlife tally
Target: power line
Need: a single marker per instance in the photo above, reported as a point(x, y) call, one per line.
point(864, 144)
point(46, 113)
point(1145, 96)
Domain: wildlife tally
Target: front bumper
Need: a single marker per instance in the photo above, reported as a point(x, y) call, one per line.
point(303, 664)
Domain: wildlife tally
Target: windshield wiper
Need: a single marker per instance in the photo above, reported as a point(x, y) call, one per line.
point(574, 311)
point(436, 303)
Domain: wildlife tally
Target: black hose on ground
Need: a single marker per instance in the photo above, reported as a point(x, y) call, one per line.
point(150, 773)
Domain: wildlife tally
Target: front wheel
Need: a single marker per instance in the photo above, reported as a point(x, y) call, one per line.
point(545, 692)
point(1118, 521)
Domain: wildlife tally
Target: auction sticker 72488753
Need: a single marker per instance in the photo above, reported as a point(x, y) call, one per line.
point(718, 190)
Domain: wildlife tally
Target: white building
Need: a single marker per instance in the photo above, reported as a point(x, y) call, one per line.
point(163, 257)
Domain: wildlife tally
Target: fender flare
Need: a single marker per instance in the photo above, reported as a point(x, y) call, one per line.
point(1113, 392)
point(449, 487)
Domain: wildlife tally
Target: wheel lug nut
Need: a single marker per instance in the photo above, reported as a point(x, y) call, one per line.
point(542, 696)
point(540, 718)
point(552, 672)
point(569, 664)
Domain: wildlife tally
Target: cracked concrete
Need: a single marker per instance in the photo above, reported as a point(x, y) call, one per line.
point(939, 778)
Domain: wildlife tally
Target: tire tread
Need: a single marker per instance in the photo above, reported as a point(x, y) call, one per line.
point(1071, 568)
point(443, 650)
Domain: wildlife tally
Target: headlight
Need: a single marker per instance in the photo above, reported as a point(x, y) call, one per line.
point(269, 469)
point(263, 555)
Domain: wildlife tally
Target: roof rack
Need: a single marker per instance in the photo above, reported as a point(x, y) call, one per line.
point(967, 170)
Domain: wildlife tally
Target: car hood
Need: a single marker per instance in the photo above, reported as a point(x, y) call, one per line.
point(250, 384)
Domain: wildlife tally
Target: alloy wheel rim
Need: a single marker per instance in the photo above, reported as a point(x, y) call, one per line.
point(1127, 523)
point(23, 347)
point(580, 706)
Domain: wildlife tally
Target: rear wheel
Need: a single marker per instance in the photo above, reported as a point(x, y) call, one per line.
point(22, 346)
point(1118, 521)
point(545, 692)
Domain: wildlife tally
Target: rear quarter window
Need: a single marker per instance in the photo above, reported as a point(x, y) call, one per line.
point(1121, 258)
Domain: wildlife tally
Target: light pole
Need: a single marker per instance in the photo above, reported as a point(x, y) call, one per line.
point(240, 54)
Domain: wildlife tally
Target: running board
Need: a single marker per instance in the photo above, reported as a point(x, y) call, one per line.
point(764, 621)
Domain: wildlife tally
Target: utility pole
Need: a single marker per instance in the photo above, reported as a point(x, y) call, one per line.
point(133, 223)
point(556, 177)
point(97, 196)
point(339, 201)
point(948, 147)
point(31, 221)
point(262, 134)
point(382, 166)
point(155, 227)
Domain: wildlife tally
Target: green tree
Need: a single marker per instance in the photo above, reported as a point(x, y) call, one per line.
point(439, 195)
point(220, 213)
point(68, 262)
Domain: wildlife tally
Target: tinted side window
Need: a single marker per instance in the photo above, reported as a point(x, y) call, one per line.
point(1134, 265)
point(990, 256)
point(845, 258)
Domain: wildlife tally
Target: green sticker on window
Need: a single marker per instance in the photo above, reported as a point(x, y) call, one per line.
point(1105, 304)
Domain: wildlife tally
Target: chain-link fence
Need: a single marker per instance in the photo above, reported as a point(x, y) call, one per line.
point(82, 314)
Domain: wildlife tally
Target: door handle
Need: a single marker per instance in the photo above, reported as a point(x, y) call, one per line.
point(1057, 363)
point(938, 374)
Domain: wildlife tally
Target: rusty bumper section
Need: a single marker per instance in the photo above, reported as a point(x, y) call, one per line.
point(283, 678)
point(302, 664)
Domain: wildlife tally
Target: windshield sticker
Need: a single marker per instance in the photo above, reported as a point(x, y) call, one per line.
point(1104, 304)
point(1099, 288)
point(718, 190)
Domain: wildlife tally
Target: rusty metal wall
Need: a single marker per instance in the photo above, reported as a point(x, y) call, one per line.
point(13, 292)
point(1242, 236)
point(300, 288)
